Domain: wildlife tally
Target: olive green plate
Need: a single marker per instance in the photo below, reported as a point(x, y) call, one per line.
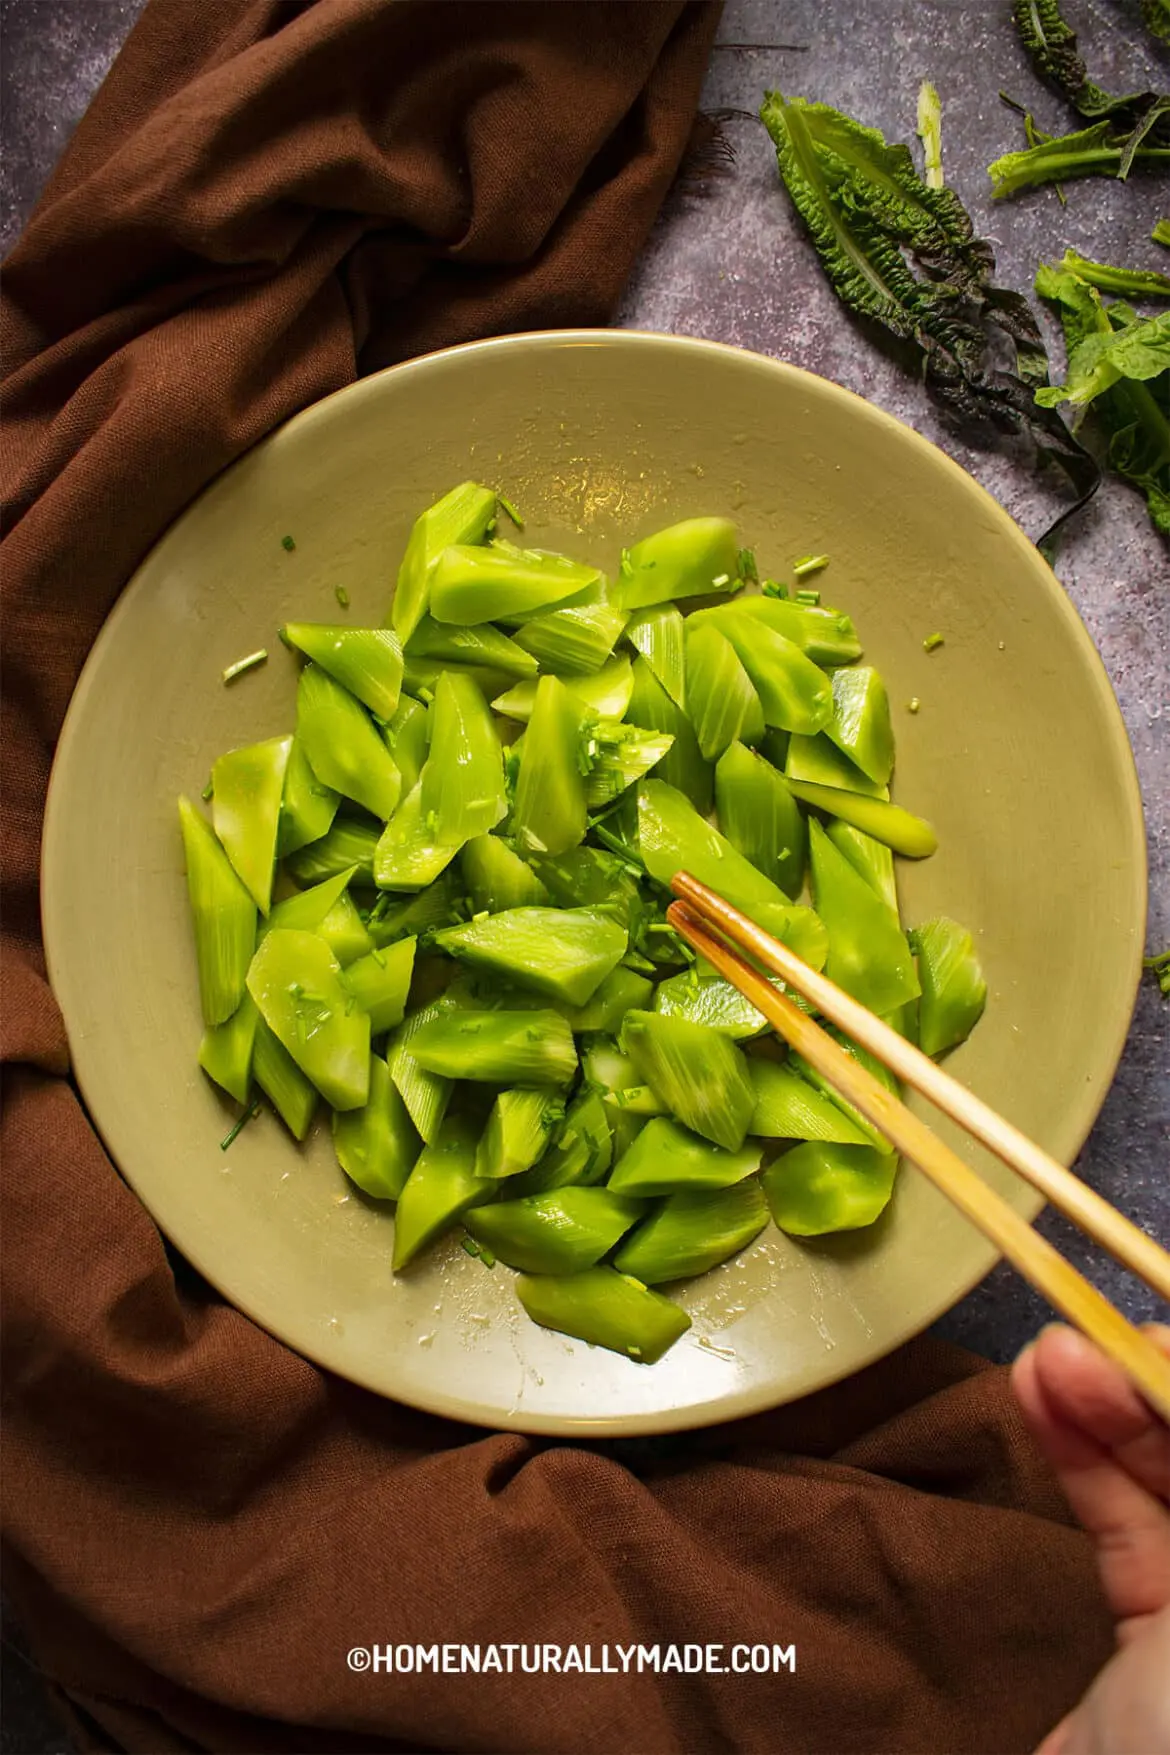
point(1018, 756)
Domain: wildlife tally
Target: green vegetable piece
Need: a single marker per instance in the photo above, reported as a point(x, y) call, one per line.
point(789, 1108)
point(683, 766)
point(461, 516)
point(622, 990)
point(380, 983)
point(1127, 283)
point(518, 1130)
point(605, 1308)
point(580, 1156)
point(224, 917)
point(408, 738)
point(561, 1232)
point(242, 666)
point(619, 755)
point(575, 641)
point(307, 808)
point(440, 1189)
point(690, 559)
point(499, 1048)
point(589, 877)
point(794, 693)
point(225, 1053)
point(247, 787)
point(1161, 233)
point(1097, 151)
point(497, 878)
point(659, 634)
point(606, 1067)
point(549, 815)
point(463, 779)
point(673, 837)
point(366, 661)
point(722, 703)
point(693, 1232)
point(930, 133)
point(396, 917)
point(344, 931)
point(484, 647)
point(860, 726)
point(564, 953)
point(711, 1001)
point(954, 992)
point(606, 694)
point(342, 744)
point(871, 858)
point(296, 981)
point(306, 911)
point(377, 1145)
point(868, 953)
point(425, 1094)
point(881, 1073)
point(349, 846)
point(291, 1094)
point(902, 831)
point(695, 1072)
point(666, 1159)
point(818, 762)
point(825, 635)
point(420, 677)
point(471, 585)
point(408, 857)
point(760, 817)
point(821, 1187)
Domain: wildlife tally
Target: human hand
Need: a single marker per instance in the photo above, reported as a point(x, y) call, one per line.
point(1112, 1456)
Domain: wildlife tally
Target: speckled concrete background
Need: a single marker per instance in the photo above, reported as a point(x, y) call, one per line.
point(729, 262)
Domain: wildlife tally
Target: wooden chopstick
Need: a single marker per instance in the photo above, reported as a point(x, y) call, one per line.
point(1035, 1258)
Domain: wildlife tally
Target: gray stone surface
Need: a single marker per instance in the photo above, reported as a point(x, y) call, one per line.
point(729, 262)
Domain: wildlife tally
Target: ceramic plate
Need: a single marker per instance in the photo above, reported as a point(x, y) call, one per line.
point(1018, 755)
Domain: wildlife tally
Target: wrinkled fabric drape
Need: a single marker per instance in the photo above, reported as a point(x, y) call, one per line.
point(265, 200)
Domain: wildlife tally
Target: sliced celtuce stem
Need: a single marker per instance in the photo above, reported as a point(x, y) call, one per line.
point(860, 724)
point(557, 1233)
point(573, 642)
point(899, 829)
point(696, 1073)
point(395, 917)
point(789, 1108)
point(380, 983)
point(954, 992)
point(306, 912)
point(519, 1128)
point(580, 1157)
point(408, 738)
point(711, 1001)
point(760, 817)
point(666, 1158)
point(824, 635)
point(549, 814)
point(659, 634)
point(819, 762)
point(366, 661)
point(407, 857)
point(589, 877)
point(420, 677)
point(868, 953)
point(722, 704)
point(499, 1048)
point(342, 744)
point(440, 1188)
point(497, 878)
point(684, 765)
point(607, 693)
point(463, 779)
point(880, 1071)
point(461, 516)
point(794, 694)
point(562, 952)
point(471, 585)
point(225, 1053)
point(224, 917)
point(873, 859)
point(344, 931)
point(820, 1187)
point(484, 646)
point(693, 1232)
point(377, 1145)
point(292, 1095)
point(607, 1309)
point(295, 981)
point(691, 559)
point(308, 807)
point(348, 847)
point(425, 1094)
point(247, 786)
point(621, 991)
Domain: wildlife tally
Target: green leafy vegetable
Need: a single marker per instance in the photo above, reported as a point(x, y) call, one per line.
point(1159, 967)
point(1161, 233)
point(1097, 151)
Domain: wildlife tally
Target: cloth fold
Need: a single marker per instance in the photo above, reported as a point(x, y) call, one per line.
point(267, 198)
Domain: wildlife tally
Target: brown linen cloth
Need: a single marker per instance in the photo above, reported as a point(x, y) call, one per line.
point(264, 200)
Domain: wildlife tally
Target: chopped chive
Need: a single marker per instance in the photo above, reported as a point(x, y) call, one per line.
point(809, 564)
point(913, 704)
point(640, 964)
point(208, 792)
point(721, 579)
point(745, 563)
point(342, 596)
point(932, 642)
point(486, 1256)
point(229, 1137)
point(810, 597)
point(426, 696)
point(287, 543)
point(242, 664)
point(470, 1245)
point(771, 588)
point(510, 509)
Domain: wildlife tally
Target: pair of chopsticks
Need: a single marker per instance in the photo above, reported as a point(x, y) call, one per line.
point(707, 922)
